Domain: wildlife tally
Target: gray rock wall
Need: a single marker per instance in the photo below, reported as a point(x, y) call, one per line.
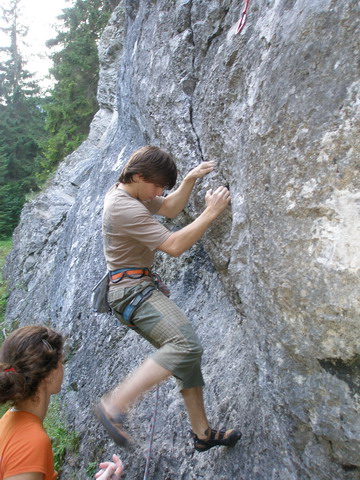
point(272, 289)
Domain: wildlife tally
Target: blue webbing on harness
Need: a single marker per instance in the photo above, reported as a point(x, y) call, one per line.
point(135, 303)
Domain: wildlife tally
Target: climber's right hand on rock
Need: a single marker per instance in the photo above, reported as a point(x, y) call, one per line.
point(217, 201)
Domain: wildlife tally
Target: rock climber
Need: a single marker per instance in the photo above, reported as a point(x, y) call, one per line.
point(131, 236)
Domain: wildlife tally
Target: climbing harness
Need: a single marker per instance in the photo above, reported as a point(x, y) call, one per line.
point(99, 294)
point(117, 275)
point(148, 457)
point(135, 273)
point(242, 21)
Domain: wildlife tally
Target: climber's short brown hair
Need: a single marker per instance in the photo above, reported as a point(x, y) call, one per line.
point(153, 164)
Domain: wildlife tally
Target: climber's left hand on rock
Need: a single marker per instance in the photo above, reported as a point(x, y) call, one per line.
point(201, 170)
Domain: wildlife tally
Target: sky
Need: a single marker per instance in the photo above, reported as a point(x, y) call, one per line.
point(39, 16)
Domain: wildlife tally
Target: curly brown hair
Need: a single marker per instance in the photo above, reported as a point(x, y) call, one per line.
point(153, 164)
point(27, 357)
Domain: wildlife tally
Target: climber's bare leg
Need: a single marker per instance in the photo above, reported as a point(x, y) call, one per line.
point(141, 380)
point(194, 403)
point(204, 436)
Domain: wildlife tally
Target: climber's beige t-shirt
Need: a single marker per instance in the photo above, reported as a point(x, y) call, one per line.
point(131, 234)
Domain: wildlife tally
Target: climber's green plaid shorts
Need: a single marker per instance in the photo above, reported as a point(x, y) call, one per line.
point(164, 325)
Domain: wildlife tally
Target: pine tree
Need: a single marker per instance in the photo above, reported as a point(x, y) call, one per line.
point(21, 125)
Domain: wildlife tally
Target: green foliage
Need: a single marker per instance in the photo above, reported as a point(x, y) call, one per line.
point(64, 440)
point(92, 468)
point(3, 409)
point(18, 166)
point(22, 120)
point(21, 130)
point(29, 152)
point(11, 200)
point(73, 99)
point(5, 247)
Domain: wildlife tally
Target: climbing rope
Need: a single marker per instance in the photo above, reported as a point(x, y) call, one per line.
point(242, 21)
point(151, 435)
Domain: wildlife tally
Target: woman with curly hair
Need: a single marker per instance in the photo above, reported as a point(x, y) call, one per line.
point(31, 370)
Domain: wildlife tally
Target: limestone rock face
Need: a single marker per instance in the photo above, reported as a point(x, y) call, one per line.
point(273, 287)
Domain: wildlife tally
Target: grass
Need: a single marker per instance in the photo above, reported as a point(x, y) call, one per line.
point(63, 439)
point(5, 247)
point(3, 409)
point(92, 468)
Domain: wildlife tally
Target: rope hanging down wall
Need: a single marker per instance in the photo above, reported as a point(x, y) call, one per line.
point(147, 466)
point(242, 21)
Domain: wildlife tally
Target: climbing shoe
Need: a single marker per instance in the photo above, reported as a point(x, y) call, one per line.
point(214, 438)
point(113, 425)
